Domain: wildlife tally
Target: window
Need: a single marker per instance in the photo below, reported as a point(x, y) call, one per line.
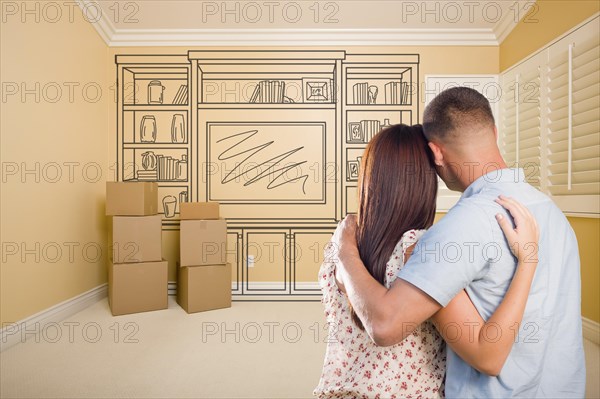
point(550, 119)
point(520, 123)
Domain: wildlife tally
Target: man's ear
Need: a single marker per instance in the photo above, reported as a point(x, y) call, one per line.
point(496, 133)
point(438, 157)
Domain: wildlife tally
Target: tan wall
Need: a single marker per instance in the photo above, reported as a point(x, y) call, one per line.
point(65, 212)
point(550, 19)
point(588, 236)
point(56, 212)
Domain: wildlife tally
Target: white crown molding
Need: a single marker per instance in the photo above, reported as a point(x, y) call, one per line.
point(508, 22)
point(302, 37)
point(114, 37)
point(103, 26)
point(15, 333)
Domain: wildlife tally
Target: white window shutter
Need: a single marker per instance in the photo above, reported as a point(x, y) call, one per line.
point(530, 122)
point(574, 122)
point(554, 133)
point(508, 118)
point(520, 121)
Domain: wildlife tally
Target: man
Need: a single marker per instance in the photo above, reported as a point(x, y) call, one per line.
point(467, 250)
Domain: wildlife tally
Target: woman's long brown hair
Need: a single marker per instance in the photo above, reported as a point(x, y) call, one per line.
point(397, 189)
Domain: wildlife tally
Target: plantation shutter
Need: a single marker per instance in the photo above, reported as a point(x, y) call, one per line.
point(520, 122)
point(550, 119)
point(508, 122)
point(574, 121)
point(529, 139)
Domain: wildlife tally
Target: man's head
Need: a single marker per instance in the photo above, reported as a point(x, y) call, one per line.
point(459, 126)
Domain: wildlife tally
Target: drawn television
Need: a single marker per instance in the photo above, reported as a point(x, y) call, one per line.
point(270, 168)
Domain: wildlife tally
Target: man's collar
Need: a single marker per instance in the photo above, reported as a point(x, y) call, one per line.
point(507, 175)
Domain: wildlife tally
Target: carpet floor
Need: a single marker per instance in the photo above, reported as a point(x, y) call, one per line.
point(251, 350)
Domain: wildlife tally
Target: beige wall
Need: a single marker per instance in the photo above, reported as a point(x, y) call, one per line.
point(588, 237)
point(65, 132)
point(550, 19)
point(56, 212)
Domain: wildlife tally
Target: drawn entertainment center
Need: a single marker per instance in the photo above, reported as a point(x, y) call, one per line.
point(276, 137)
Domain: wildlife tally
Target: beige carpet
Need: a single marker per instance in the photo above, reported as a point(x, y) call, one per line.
point(252, 350)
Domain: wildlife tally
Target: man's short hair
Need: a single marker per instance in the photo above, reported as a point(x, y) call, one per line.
point(455, 110)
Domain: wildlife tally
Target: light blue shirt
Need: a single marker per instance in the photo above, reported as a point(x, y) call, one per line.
point(466, 249)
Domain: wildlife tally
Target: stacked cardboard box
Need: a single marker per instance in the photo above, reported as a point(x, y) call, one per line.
point(137, 274)
point(203, 276)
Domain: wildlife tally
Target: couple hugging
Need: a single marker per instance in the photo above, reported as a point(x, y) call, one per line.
point(484, 304)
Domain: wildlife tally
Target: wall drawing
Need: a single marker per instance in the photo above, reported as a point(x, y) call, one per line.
point(275, 136)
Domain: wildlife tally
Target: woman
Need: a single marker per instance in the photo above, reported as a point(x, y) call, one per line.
point(397, 194)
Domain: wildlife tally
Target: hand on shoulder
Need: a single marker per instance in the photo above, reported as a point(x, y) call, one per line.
point(524, 236)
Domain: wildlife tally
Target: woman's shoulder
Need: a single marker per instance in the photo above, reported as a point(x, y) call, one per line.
point(396, 261)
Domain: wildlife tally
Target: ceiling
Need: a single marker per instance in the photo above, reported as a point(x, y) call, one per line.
point(304, 22)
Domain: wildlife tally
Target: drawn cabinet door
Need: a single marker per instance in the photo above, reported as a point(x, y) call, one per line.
point(234, 256)
point(265, 261)
point(307, 255)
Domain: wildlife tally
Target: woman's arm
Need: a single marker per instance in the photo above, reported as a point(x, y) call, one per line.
point(486, 345)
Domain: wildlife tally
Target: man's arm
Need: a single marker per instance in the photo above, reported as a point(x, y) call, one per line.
point(388, 316)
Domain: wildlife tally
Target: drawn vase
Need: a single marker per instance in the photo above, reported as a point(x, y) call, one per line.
point(178, 129)
point(182, 168)
point(149, 160)
point(148, 129)
point(372, 95)
point(155, 92)
point(169, 206)
point(183, 196)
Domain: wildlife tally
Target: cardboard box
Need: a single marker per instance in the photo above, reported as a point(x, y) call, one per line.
point(137, 287)
point(201, 288)
point(198, 210)
point(136, 239)
point(203, 242)
point(131, 198)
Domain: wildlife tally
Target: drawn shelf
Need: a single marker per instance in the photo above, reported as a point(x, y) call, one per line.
point(266, 106)
point(160, 127)
point(370, 86)
point(380, 90)
point(164, 163)
point(153, 123)
point(151, 146)
point(363, 125)
point(155, 85)
point(274, 82)
point(155, 107)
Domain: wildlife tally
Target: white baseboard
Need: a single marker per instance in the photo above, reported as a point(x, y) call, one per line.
point(274, 285)
point(14, 333)
point(591, 330)
point(263, 286)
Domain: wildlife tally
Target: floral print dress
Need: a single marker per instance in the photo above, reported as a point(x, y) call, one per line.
point(355, 367)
